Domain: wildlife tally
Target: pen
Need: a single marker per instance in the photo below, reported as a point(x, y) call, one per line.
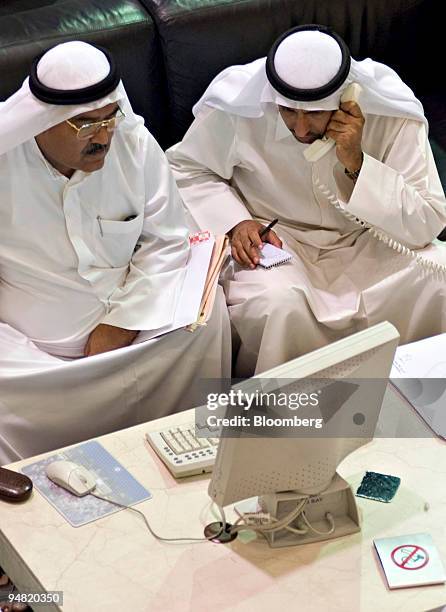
point(266, 229)
point(100, 225)
point(101, 231)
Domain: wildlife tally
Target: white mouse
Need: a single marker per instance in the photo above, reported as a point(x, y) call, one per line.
point(71, 476)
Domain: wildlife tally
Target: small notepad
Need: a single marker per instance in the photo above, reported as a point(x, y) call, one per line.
point(271, 256)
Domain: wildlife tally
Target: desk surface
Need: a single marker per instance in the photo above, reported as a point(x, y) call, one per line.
point(115, 563)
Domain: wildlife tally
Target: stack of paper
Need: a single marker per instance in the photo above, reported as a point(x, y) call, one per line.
point(419, 374)
point(210, 286)
point(422, 359)
point(197, 296)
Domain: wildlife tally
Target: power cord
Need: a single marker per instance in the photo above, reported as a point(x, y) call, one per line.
point(155, 535)
point(284, 523)
point(328, 517)
point(271, 527)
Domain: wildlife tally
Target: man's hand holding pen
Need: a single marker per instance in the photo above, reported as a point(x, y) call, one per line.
point(247, 238)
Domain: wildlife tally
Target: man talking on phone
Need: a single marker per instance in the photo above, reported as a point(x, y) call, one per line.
point(254, 154)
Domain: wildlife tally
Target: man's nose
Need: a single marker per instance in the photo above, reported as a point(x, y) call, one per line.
point(301, 125)
point(102, 136)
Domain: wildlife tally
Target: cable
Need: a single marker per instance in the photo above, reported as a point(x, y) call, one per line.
point(330, 520)
point(428, 265)
point(275, 524)
point(284, 523)
point(155, 535)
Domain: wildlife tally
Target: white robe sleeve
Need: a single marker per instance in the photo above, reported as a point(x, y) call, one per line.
point(402, 194)
point(203, 164)
point(148, 298)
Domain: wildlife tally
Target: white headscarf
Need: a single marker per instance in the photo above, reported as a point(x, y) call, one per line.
point(68, 66)
point(244, 90)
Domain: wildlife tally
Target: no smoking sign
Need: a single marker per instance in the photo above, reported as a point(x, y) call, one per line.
point(410, 557)
point(414, 552)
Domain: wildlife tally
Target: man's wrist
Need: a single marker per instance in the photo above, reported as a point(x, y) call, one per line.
point(353, 173)
point(230, 233)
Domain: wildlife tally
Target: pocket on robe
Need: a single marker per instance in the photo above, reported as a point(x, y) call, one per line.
point(116, 240)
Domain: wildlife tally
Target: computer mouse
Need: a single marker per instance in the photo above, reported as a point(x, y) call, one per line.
point(71, 476)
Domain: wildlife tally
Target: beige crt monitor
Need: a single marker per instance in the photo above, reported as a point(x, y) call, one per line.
point(252, 466)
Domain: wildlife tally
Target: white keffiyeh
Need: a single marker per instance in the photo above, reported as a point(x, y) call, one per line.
point(68, 66)
point(307, 60)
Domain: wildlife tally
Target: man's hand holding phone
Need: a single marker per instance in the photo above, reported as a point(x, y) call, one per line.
point(345, 128)
point(246, 242)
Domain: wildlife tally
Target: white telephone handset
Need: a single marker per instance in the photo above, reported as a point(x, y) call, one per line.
point(323, 145)
point(317, 150)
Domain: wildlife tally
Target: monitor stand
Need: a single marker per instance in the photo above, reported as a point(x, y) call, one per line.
point(338, 499)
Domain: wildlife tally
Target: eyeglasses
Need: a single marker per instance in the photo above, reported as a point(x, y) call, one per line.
point(88, 130)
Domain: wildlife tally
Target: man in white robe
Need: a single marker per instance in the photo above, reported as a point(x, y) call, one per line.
point(93, 252)
point(242, 164)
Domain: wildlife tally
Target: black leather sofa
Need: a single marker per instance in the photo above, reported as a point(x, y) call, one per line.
point(169, 50)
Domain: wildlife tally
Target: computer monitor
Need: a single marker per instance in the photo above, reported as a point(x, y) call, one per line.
point(248, 466)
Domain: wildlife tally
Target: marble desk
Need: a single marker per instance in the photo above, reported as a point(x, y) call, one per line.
point(115, 564)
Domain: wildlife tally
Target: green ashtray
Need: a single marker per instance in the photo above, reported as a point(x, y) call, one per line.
point(380, 487)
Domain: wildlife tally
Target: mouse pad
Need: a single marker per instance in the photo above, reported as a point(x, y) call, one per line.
point(113, 481)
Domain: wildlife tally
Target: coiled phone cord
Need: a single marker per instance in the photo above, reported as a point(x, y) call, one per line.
point(427, 264)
